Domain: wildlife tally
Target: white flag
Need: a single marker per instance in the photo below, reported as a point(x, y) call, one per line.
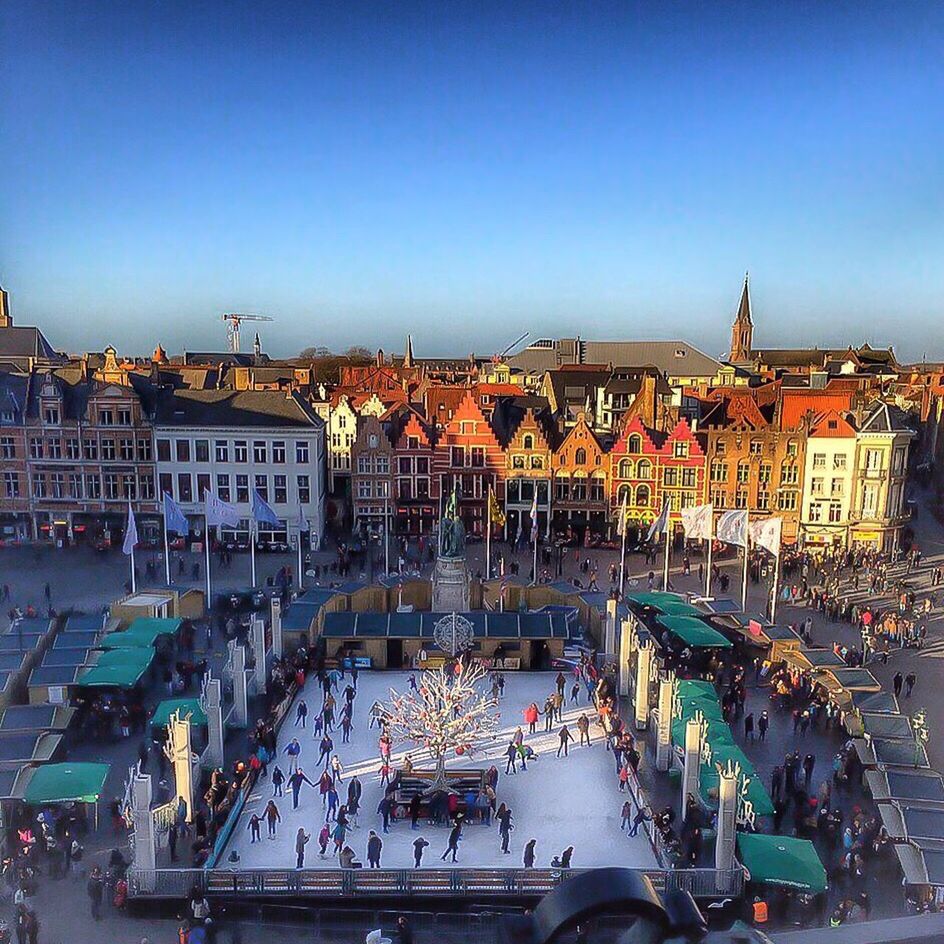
point(131, 533)
point(660, 524)
point(220, 512)
point(302, 520)
point(766, 533)
point(621, 530)
point(697, 521)
point(732, 528)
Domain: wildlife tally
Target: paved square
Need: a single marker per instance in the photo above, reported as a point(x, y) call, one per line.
point(558, 801)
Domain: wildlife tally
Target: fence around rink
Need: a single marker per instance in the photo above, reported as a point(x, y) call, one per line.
point(368, 883)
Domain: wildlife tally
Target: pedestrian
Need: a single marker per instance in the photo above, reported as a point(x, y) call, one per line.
point(278, 778)
point(384, 808)
point(301, 713)
point(96, 891)
point(896, 683)
point(272, 817)
point(374, 847)
point(809, 762)
point(293, 749)
point(301, 840)
point(255, 824)
point(626, 814)
point(295, 782)
point(529, 854)
point(455, 835)
point(910, 680)
point(583, 726)
point(749, 727)
point(505, 827)
point(418, 846)
point(763, 722)
point(565, 738)
point(404, 931)
point(324, 837)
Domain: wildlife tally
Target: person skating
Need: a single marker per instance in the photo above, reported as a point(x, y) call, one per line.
point(325, 748)
point(505, 827)
point(295, 782)
point(565, 738)
point(278, 778)
point(272, 816)
point(809, 762)
point(374, 847)
point(455, 835)
point(324, 837)
point(293, 749)
point(384, 808)
point(549, 714)
point(415, 803)
point(749, 727)
point(566, 856)
point(255, 827)
point(583, 726)
point(626, 815)
point(418, 846)
point(531, 717)
point(337, 770)
point(301, 713)
point(511, 753)
point(528, 857)
point(301, 840)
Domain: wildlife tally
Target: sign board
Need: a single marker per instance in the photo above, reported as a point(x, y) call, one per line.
point(753, 627)
point(57, 694)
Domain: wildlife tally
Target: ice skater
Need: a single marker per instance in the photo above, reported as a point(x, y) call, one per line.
point(374, 848)
point(255, 825)
point(504, 828)
point(301, 840)
point(565, 738)
point(337, 770)
point(583, 726)
point(295, 782)
point(418, 846)
point(272, 818)
point(293, 749)
point(511, 752)
point(301, 713)
point(325, 748)
point(455, 835)
point(528, 858)
point(278, 778)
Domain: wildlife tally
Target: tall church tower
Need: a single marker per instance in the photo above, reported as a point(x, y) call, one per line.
point(742, 331)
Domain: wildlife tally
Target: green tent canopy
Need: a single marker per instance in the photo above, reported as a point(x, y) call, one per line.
point(143, 632)
point(66, 783)
point(143, 657)
point(655, 598)
point(694, 632)
point(186, 706)
point(782, 860)
point(108, 676)
point(679, 608)
point(690, 687)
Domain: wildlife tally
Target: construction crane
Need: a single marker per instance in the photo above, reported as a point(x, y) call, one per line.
point(234, 320)
point(497, 358)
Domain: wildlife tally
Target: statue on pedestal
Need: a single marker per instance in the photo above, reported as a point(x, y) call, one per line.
point(451, 529)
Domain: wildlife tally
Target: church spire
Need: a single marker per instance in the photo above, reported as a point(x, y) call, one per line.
point(742, 331)
point(408, 356)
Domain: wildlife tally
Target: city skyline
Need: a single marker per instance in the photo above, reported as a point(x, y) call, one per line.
point(357, 174)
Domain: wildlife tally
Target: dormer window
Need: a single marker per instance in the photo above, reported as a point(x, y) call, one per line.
point(51, 415)
point(106, 417)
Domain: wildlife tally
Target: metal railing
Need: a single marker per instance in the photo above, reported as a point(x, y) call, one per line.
point(347, 883)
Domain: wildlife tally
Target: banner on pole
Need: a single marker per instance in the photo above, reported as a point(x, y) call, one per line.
point(767, 533)
point(262, 511)
point(732, 528)
point(174, 518)
point(661, 524)
point(131, 533)
point(697, 521)
point(220, 512)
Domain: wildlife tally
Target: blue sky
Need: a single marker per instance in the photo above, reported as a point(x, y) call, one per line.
point(469, 171)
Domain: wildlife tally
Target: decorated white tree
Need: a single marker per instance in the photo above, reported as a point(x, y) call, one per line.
point(449, 711)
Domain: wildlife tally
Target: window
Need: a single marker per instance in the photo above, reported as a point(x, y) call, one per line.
point(680, 450)
point(404, 465)
point(201, 450)
point(365, 465)
point(562, 489)
point(144, 450)
point(719, 498)
point(467, 427)
point(203, 485)
point(130, 486)
point(364, 489)
point(183, 450)
point(839, 461)
point(146, 482)
point(764, 473)
point(35, 447)
point(537, 462)
point(422, 488)
point(51, 415)
point(93, 487)
point(869, 500)
point(816, 485)
point(527, 442)
point(242, 489)
point(301, 452)
point(222, 487)
point(789, 474)
point(382, 488)
point(111, 485)
point(899, 461)
point(596, 489)
point(719, 471)
point(788, 501)
point(688, 478)
point(422, 464)
point(517, 462)
point(278, 452)
point(124, 416)
point(383, 465)
point(280, 488)
point(756, 447)
point(873, 460)
point(819, 460)
point(763, 501)
point(8, 447)
point(740, 498)
point(743, 472)
point(72, 449)
point(184, 487)
point(644, 469)
point(579, 490)
point(580, 456)
point(106, 418)
point(221, 450)
point(721, 447)
point(54, 447)
point(39, 486)
point(163, 450)
point(262, 486)
point(642, 496)
point(91, 449)
point(670, 477)
point(478, 456)
point(166, 483)
point(260, 452)
point(240, 452)
point(835, 488)
point(793, 448)
point(625, 469)
point(835, 512)
point(126, 449)
point(634, 443)
point(304, 489)
point(456, 456)
point(11, 485)
point(108, 450)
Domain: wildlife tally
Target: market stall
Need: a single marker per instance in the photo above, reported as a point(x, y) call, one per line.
point(782, 861)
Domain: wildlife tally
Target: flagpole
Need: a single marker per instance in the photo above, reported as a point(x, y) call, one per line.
point(708, 569)
point(166, 549)
point(488, 535)
point(773, 598)
point(622, 577)
point(253, 534)
point(134, 585)
point(206, 547)
point(747, 544)
point(386, 535)
point(300, 570)
point(665, 572)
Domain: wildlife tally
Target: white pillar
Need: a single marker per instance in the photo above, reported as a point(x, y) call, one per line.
point(240, 693)
point(643, 676)
point(145, 844)
point(664, 741)
point(275, 617)
point(625, 647)
point(727, 822)
point(180, 754)
point(213, 755)
point(609, 639)
point(259, 651)
point(692, 765)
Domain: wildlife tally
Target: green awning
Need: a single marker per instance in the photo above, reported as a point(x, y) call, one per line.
point(66, 783)
point(679, 608)
point(655, 598)
point(143, 632)
point(186, 706)
point(782, 860)
point(112, 676)
point(694, 632)
point(134, 656)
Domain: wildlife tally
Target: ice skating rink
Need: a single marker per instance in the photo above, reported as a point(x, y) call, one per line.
point(559, 802)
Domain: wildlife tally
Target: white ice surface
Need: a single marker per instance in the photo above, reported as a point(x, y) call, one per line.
point(560, 802)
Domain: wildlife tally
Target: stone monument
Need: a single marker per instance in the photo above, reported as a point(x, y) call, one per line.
point(451, 575)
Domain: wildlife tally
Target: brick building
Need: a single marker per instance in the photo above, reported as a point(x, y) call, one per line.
point(579, 469)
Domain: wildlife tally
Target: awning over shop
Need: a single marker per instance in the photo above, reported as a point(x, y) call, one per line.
point(782, 860)
point(138, 657)
point(186, 706)
point(694, 632)
point(66, 783)
point(143, 632)
point(112, 676)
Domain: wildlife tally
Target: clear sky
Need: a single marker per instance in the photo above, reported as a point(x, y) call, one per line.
point(469, 171)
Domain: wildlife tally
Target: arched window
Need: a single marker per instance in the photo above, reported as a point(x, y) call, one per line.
point(634, 444)
point(644, 469)
point(528, 442)
point(625, 468)
point(642, 496)
point(537, 462)
point(580, 457)
point(624, 494)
